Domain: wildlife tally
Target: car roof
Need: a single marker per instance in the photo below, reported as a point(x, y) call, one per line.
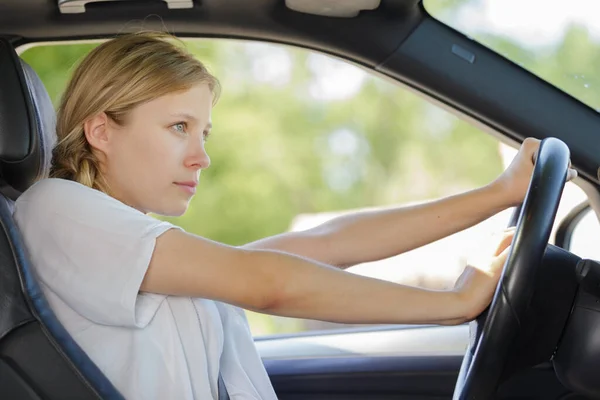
point(398, 39)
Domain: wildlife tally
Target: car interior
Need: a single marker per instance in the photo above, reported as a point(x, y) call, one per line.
point(537, 340)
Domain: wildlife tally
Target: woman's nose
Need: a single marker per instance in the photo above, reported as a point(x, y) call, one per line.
point(198, 157)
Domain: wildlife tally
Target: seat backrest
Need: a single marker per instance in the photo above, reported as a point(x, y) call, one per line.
point(38, 358)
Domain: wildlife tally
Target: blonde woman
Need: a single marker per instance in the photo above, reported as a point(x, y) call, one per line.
point(159, 310)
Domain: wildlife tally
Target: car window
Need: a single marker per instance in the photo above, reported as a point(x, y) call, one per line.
point(300, 137)
point(584, 239)
point(557, 41)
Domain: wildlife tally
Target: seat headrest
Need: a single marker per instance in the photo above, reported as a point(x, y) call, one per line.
point(27, 124)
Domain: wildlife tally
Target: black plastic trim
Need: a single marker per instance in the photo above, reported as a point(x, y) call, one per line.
point(564, 232)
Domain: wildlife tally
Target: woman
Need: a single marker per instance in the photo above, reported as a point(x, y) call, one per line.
point(156, 308)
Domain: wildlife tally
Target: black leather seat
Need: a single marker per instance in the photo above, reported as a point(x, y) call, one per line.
point(38, 358)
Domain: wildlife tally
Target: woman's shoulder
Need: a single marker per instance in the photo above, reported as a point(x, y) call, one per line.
point(62, 194)
point(53, 196)
point(52, 190)
point(56, 202)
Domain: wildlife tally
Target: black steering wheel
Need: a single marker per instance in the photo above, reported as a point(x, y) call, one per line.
point(492, 333)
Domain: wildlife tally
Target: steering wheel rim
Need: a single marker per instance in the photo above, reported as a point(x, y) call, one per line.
point(492, 332)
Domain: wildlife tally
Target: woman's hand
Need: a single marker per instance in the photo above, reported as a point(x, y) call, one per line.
point(514, 181)
point(477, 284)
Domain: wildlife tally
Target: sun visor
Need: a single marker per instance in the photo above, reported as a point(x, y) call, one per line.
point(78, 6)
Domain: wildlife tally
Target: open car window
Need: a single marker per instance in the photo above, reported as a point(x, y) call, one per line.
point(300, 137)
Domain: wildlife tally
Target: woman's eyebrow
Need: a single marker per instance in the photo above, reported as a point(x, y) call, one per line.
point(185, 116)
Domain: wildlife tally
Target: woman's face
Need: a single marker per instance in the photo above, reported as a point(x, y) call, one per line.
point(153, 162)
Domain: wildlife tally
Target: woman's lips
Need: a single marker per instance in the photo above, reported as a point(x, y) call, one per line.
point(189, 187)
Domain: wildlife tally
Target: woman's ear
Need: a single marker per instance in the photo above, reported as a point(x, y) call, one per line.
point(96, 132)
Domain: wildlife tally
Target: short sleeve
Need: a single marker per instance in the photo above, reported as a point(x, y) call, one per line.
point(91, 250)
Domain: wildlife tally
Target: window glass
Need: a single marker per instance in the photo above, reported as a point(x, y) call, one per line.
point(584, 239)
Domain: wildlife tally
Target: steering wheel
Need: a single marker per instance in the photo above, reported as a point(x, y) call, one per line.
point(491, 335)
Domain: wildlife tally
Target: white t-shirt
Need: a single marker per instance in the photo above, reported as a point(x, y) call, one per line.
point(90, 253)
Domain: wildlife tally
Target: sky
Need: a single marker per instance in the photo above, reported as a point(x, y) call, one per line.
point(531, 22)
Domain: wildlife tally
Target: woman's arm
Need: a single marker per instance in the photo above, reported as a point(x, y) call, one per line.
point(283, 284)
point(373, 235)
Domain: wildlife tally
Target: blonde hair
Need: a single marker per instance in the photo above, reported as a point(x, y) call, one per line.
point(114, 78)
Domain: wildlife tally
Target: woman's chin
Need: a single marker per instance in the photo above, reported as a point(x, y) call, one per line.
point(177, 209)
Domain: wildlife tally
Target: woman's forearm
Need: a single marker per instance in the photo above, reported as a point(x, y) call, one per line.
point(374, 235)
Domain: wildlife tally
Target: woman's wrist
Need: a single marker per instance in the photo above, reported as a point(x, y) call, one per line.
point(459, 308)
point(451, 308)
point(499, 195)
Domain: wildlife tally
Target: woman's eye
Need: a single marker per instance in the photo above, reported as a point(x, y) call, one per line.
point(180, 127)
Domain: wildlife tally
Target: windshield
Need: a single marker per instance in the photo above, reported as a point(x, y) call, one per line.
point(558, 41)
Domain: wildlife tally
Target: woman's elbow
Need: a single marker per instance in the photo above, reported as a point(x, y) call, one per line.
point(264, 286)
